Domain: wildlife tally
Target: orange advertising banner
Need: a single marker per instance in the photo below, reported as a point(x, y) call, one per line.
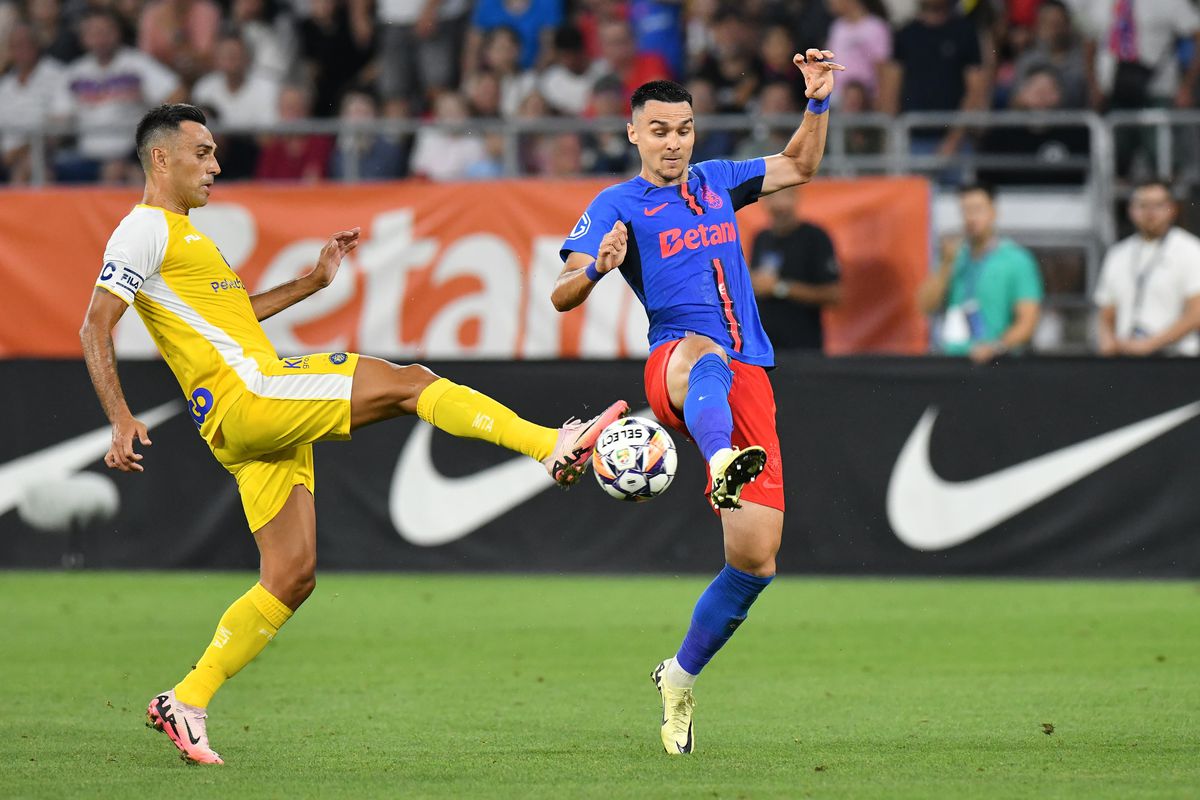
point(444, 271)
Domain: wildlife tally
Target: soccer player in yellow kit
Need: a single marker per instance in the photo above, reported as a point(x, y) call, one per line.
point(258, 413)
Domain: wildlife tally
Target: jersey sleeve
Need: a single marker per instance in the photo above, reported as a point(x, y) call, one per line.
point(823, 267)
point(596, 221)
point(742, 179)
point(134, 253)
point(1027, 278)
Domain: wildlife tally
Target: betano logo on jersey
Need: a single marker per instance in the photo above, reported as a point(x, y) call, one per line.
point(672, 241)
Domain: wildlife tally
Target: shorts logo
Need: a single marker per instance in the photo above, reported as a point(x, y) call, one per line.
point(109, 270)
point(581, 227)
point(201, 405)
point(337, 358)
point(711, 198)
point(297, 362)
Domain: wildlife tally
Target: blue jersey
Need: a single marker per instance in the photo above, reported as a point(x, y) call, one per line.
point(684, 260)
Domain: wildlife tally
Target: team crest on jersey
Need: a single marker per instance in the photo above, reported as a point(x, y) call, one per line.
point(337, 358)
point(710, 198)
point(581, 227)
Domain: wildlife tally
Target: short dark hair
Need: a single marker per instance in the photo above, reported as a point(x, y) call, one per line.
point(986, 188)
point(1057, 4)
point(167, 117)
point(1166, 184)
point(662, 91)
point(568, 38)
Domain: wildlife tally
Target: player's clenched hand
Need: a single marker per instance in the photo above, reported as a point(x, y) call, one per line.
point(612, 248)
point(818, 71)
point(340, 244)
point(120, 454)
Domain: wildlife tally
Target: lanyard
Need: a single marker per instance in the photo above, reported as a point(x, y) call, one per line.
point(1142, 277)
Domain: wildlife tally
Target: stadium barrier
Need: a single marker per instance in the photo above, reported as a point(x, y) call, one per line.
point(444, 270)
point(1039, 467)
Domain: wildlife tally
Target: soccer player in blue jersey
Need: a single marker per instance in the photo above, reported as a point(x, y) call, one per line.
point(672, 233)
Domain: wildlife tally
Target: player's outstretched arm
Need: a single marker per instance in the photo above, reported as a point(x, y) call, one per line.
point(799, 161)
point(581, 272)
point(101, 357)
point(271, 302)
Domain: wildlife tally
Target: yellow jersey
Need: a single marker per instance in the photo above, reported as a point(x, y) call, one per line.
point(199, 314)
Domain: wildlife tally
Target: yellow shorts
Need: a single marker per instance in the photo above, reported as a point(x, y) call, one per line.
point(265, 438)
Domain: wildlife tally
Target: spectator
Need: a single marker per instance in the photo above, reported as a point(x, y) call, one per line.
point(501, 54)
point(731, 66)
point(620, 58)
point(774, 102)
point(362, 155)
point(861, 41)
point(269, 36)
point(1130, 50)
point(1149, 288)
point(701, 19)
point(658, 31)
point(608, 151)
point(988, 287)
point(491, 165)
point(26, 92)
point(445, 154)
point(104, 93)
point(860, 139)
point(533, 20)
point(936, 66)
point(566, 83)
point(709, 143)
point(561, 156)
point(1047, 145)
point(795, 274)
point(1056, 46)
point(335, 45)
point(180, 34)
point(482, 91)
point(55, 37)
point(777, 51)
point(293, 156)
point(240, 97)
point(419, 45)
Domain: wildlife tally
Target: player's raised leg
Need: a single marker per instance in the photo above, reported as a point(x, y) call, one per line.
point(752, 537)
point(287, 546)
point(383, 390)
point(699, 380)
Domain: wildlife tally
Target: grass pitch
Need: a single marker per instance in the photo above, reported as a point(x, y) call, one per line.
point(479, 687)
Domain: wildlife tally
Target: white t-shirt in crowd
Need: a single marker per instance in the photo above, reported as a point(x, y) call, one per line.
point(407, 12)
point(566, 91)
point(1168, 270)
point(1158, 24)
point(106, 101)
point(256, 101)
point(28, 103)
point(445, 156)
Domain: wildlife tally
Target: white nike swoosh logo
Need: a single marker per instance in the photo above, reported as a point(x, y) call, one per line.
point(60, 460)
point(929, 513)
point(428, 509)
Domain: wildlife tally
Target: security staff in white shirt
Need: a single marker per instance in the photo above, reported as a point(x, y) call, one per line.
point(1149, 288)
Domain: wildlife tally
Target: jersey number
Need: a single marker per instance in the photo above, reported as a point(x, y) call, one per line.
point(202, 403)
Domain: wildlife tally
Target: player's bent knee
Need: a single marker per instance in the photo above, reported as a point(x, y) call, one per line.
point(411, 380)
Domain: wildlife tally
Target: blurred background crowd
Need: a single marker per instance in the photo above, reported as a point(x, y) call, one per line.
point(89, 65)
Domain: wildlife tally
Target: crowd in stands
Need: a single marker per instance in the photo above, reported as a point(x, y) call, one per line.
point(95, 64)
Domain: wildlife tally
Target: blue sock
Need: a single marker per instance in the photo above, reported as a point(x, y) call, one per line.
point(719, 612)
point(706, 407)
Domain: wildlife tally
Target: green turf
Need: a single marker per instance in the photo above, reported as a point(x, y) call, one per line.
point(465, 687)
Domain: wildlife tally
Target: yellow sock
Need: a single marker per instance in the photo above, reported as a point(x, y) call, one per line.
point(244, 630)
point(463, 412)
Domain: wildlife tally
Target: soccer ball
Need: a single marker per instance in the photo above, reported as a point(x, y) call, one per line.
point(634, 459)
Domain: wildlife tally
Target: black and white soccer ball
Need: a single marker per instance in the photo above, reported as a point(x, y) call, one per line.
point(634, 459)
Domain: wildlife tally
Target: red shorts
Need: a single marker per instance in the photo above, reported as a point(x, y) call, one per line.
point(753, 404)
